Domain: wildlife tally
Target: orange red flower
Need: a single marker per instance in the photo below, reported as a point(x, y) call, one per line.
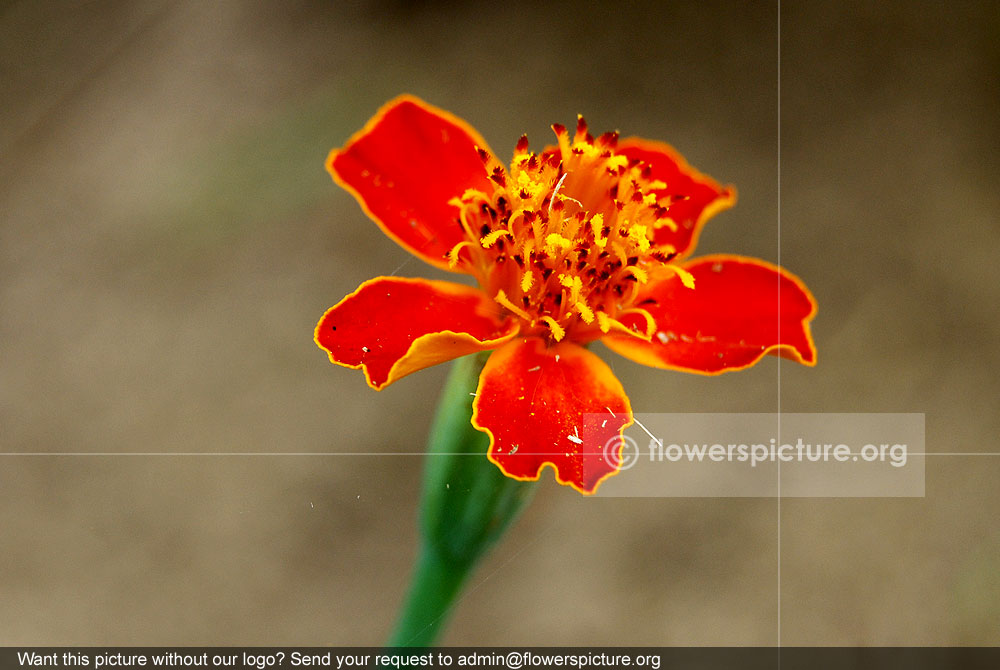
point(588, 239)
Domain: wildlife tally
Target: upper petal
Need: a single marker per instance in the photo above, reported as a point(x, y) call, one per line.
point(392, 326)
point(693, 197)
point(739, 309)
point(405, 165)
point(540, 406)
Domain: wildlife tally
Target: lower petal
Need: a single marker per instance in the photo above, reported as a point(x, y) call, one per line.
point(392, 326)
point(739, 309)
point(559, 405)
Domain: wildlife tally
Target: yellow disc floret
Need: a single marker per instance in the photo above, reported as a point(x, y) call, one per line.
point(567, 236)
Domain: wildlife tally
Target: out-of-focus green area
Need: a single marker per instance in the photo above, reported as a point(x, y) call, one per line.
point(169, 238)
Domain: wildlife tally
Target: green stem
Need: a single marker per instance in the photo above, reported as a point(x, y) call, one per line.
point(466, 505)
point(433, 588)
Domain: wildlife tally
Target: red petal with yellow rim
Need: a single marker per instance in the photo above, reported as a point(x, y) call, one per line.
point(393, 326)
point(405, 165)
point(692, 198)
point(560, 406)
point(739, 309)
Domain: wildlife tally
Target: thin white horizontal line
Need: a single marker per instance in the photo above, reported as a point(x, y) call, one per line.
point(226, 453)
point(376, 453)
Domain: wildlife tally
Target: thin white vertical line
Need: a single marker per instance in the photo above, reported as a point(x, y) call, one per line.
point(779, 327)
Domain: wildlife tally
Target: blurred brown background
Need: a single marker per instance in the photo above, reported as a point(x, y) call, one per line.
point(170, 237)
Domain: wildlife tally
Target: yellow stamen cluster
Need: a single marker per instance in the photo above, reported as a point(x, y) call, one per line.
point(565, 239)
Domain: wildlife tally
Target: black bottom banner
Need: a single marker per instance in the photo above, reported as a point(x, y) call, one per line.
point(505, 658)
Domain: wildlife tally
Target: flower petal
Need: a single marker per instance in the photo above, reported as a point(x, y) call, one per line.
point(693, 197)
point(404, 166)
point(739, 310)
point(391, 326)
point(534, 402)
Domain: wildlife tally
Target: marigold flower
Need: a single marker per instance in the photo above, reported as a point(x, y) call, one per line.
point(585, 240)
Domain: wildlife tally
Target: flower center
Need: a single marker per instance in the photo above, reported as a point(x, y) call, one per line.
point(564, 240)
